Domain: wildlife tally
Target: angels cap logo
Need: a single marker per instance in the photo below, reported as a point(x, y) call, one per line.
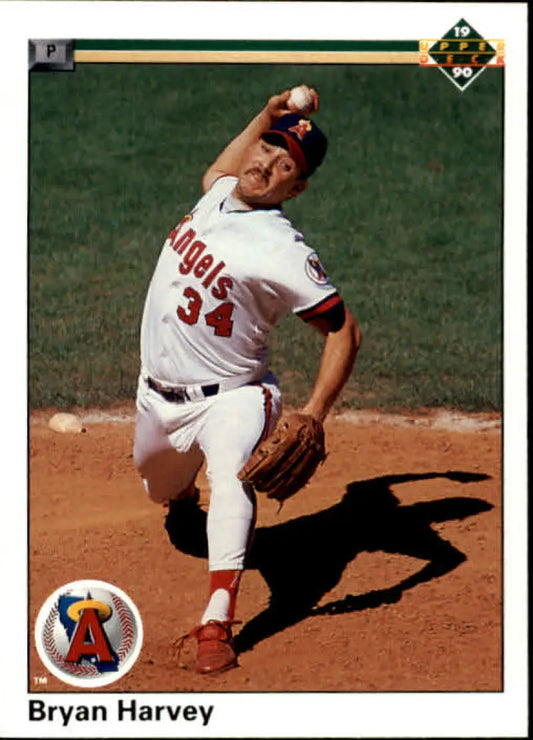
point(315, 269)
point(88, 633)
point(302, 128)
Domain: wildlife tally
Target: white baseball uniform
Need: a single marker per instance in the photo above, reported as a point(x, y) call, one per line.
point(225, 277)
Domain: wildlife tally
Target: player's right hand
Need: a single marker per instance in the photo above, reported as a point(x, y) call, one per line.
point(277, 105)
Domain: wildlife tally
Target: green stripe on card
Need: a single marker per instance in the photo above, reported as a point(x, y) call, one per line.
point(243, 45)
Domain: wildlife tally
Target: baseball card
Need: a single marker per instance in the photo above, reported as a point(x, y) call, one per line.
point(264, 308)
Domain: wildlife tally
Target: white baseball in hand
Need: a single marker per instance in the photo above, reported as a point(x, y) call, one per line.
point(302, 100)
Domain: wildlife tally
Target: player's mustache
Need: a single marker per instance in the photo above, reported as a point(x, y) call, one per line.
point(257, 170)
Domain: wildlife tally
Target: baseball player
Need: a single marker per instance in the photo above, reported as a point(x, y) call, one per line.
point(227, 274)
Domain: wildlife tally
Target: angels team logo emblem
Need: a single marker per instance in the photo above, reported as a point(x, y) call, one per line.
point(88, 633)
point(315, 270)
point(301, 128)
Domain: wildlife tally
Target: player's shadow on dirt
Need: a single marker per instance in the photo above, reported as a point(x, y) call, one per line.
point(302, 559)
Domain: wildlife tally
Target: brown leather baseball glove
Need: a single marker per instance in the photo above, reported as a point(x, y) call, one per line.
point(286, 460)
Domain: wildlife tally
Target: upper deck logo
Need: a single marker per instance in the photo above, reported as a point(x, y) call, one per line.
point(462, 54)
point(88, 633)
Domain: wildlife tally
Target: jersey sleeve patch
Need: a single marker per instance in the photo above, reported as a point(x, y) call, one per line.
point(315, 270)
point(320, 308)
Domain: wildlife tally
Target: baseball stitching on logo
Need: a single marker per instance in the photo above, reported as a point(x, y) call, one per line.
point(128, 628)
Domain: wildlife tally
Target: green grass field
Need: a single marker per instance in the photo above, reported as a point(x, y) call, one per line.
point(406, 214)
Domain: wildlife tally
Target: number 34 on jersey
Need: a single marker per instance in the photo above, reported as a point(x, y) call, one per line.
point(219, 317)
point(201, 266)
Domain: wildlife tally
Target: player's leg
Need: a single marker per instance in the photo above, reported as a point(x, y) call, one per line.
point(168, 465)
point(236, 423)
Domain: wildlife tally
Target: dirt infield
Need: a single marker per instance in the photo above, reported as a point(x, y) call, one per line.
point(384, 574)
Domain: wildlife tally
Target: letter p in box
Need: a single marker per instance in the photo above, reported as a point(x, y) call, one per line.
point(51, 54)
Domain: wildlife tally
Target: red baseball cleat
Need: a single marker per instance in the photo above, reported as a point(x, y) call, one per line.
point(216, 652)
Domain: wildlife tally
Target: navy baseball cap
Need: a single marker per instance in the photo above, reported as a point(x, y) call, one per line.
point(302, 138)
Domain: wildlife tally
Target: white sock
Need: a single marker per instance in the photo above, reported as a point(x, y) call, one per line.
point(218, 606)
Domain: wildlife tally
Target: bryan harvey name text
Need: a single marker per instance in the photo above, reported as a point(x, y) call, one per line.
point(126, 710)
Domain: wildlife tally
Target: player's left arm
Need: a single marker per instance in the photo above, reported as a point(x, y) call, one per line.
point(342, 341)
